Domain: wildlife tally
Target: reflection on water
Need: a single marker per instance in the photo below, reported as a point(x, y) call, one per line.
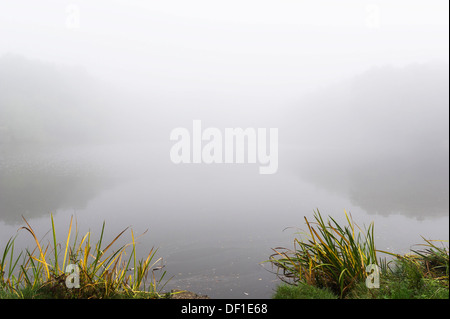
point(36, 183)
point(31, 193)
point(380, 139)
point(414, 184)
point(213, 224)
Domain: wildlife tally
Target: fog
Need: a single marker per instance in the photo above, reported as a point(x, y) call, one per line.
point(381, 138)
point(358, 90)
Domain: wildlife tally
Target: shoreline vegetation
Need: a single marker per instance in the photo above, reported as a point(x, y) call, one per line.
point(331, 261)
point(328, 261)
point(102, 273)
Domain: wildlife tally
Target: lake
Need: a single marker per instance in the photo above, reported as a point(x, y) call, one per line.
point(213, 224)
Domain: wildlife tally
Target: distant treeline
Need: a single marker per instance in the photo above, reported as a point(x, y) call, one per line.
point(41, 103)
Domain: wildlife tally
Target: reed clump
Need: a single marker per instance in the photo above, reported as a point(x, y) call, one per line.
point(330, 256)
point(334, 258)
point(104, 270)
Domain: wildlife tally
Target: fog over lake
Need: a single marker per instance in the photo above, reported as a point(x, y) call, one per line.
point(90, 92)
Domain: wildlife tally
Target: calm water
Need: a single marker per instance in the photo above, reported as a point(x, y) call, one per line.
point(213, 225)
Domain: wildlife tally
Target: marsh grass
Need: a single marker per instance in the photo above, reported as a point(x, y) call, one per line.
point(334, 258)
point(422, 274)
point(433, 259)
point(330, 256)
point(302, 291)
point(104, 272)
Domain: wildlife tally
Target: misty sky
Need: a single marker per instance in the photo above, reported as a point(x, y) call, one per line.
point(274, 50)
point(358, 89)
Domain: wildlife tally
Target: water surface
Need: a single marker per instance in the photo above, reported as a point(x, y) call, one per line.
point(213, 224)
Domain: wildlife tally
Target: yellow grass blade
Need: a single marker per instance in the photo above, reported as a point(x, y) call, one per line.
point(41, 261)
point(67, 244)
point(117, 237)
point(310, 230)
point(30, 230)
point(350, 222)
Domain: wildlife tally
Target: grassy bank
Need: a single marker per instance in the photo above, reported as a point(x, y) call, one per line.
point(330, 261)
point(102, 269)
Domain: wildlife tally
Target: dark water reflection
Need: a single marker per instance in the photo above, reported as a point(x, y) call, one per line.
point(34, 194)
point(213, 224)
point(379, 139)
point(35, 182)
